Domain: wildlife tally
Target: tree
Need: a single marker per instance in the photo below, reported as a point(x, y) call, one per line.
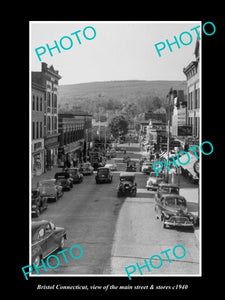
point(118, 126)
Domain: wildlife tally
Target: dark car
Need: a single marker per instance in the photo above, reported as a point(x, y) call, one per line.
point(127, 185)
point(50, 188)
point(131, 166)
point(65, 180)
point(103, 175)
point(46, 238)
point(166, 188)
point(76, 175)
point(39, 203)
point(172, 210)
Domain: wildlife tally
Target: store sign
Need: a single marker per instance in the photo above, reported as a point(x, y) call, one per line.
point(37, 146)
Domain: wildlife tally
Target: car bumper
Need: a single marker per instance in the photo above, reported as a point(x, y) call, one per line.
point(152, 186)
point(177, 223)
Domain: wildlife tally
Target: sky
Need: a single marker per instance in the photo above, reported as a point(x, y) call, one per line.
point(119, 50)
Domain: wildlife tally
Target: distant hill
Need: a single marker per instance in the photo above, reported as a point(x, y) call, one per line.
point(89, 95)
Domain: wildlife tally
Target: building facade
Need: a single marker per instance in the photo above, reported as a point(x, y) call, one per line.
point(49, 78)
point(179, 116)
point(193, 94)
point(37, 129)
point(75, 137)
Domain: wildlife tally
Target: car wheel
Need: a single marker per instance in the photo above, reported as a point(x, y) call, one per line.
point(163, 222)
point(37, 260)
point(62, 243)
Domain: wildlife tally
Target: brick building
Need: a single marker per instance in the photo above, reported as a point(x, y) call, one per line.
point(49, 78)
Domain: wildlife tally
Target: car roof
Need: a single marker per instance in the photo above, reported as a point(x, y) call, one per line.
point(168, 184)
point(127, 174)
point(173, 195)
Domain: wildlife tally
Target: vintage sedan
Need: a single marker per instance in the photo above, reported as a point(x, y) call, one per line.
point(131, 166)
point(172, 211)
point(127, 185)
point(38, 202)
point(50, 188)
point(86, 168)
point(166, 188)
point(65, 180)
point(46, 238)
point(153, 181)
point(103, 175)
point(76, 175)
point(146, 167)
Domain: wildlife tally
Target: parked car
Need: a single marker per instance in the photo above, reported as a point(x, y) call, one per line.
point(64, 179)
point(103, 175)
point(38, 202)
point(153, 181)
point(112, 166)
point(46, 238)
point(86, 168)
point(127, 185)
point(76, 175)
point(166, 188)
point(50, 188)
point(146, 167)
point(172, 210)
point(131, 166)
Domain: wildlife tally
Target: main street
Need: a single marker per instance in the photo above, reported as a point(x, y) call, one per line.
point(116, 232)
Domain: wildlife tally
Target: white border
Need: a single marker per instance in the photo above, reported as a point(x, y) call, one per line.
point(30, 152)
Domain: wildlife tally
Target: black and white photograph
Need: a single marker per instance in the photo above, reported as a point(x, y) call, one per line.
point(116, 151)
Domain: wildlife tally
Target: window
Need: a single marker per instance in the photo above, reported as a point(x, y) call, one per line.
point(48, 123)
point(41, 233)
point(33, 103)
point(40, 129)
point(33, 130)
point(37, 103)
point(37, 131)
point(41, 104)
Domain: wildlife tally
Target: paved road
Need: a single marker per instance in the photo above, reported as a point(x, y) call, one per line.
point(115, 232)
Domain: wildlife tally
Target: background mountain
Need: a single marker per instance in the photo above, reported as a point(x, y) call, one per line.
point(137, 95)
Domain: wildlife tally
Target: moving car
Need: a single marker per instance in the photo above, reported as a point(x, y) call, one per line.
point(86, 168)
point(127, 185)
point(75, 174)
point(103, 175)
point(153, 181)
point(131, 166)
point(46, 238)
point(172, 210)
point(146, 167)
point(38, 202)
point(112, 166)
point(64, 179)
point(50, 188)
point(166, 188)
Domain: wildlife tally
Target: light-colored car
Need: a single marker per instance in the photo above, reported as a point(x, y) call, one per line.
point(87, 168)
point(50, 188)
point(146, 167)
point(153, 181)
point(112, 166)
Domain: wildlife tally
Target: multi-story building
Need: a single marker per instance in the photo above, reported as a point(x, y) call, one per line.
point(74, 137)
point(193, 93)
point(49, 78)
point(179, 116)
point(37, 129)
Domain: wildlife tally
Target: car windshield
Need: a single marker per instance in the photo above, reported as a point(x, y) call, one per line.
point(103, 171)
point(168, 189)
point(46, 183)
point(127, 178)
point(153, 174)
point(73, 171)
point(175, 201)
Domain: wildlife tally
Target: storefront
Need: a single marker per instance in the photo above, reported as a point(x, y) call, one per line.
point(51, 152)
point(37, 162)
point(71, 154)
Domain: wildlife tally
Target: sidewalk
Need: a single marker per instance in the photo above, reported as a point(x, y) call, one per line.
point(47, 175)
